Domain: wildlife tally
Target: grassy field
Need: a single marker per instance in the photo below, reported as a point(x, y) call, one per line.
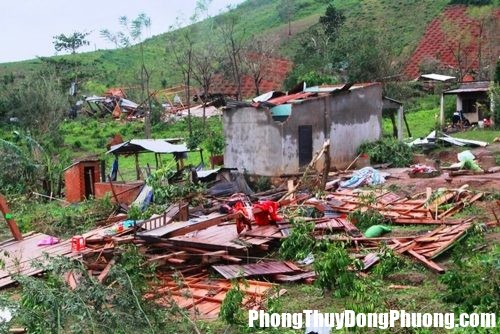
point(89, 137)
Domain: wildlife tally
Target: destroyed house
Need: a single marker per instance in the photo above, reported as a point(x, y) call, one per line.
point(279, 135)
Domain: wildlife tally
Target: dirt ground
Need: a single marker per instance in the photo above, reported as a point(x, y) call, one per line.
point(489, 182)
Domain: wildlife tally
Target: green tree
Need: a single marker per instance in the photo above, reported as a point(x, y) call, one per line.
point(71, 42)
point(332, 21)
point(286, 11)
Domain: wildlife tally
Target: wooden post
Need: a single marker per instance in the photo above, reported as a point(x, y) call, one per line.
point(400, 123)
point(14, 229)
point(201, 156)
point(407, 126)
point(137, 169)
point(441, 111)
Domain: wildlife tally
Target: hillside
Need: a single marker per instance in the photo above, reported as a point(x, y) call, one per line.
point(407, 19)
point(444, 36)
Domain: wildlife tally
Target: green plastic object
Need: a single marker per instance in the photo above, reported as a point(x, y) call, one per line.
point(8, 216)
point(376, 231)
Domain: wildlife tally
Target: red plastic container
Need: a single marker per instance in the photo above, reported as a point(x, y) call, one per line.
point(77, 243)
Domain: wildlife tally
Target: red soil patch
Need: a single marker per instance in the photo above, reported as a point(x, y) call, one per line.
point(435, 44)
point(275, 72)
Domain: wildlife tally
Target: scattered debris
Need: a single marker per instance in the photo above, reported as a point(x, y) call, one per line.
point(431, 140)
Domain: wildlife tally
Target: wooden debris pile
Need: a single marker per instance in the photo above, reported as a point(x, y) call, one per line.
point(419, 209)
point(186, 246)
point(202, 296)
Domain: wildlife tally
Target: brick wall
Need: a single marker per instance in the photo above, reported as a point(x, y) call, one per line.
point(126, 192)
point(74, 180)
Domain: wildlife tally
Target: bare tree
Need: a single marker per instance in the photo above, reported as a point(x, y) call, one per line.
point(206, 57)
point(488, 39)
point(256, 58)
point(233, 42)
point(134, 32)
point(181, 47)
point(459, 43)
point(286, 10)
point(206, 60)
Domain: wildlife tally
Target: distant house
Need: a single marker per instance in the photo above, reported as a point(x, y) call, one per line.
point(472, 100)
point(279, 135)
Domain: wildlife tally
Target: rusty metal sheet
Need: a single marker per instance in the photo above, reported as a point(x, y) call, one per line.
point(256, 269)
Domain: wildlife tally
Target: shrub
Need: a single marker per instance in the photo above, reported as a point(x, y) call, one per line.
point(392, 151)
point(364, 219)
point(300, 243)
point(495, 97)
point(474, 285)
point(77, 144)
point(335, 269)
point(114, 306)
point(231, 308)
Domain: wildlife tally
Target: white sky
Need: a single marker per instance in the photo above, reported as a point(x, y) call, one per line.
point(27, 26)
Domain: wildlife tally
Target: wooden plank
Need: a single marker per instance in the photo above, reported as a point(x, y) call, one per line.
point(431, 264)
point(181, 228)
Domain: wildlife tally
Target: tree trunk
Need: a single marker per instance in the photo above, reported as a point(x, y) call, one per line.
point(188, 94)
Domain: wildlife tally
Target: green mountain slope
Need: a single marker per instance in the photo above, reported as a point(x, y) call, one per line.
point(404, 21)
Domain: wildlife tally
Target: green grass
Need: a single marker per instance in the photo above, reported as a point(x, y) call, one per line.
point(487, 135)
point(94, 134)
point(422, 114)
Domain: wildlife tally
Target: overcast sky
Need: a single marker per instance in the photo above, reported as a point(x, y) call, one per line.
point(27, 26)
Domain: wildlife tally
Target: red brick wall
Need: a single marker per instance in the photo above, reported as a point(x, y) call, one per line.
point(74, 180)
point(126, 192)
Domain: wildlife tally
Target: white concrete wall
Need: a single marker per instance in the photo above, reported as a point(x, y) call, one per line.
point(262, 146)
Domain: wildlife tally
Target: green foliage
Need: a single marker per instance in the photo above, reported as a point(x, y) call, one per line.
point(134, 212)
point(164, 191)
point(231, 309)
point(27, 166)
point(52, 219)
point(392, 151)
point(389, 262)
point(71, 42)
point(473, 283)
point(215, 142)
point(332, 21)
point(363, 219)
point(286, 9)
point(495, 97)
point(51, 306)
point(195, 139)
point(300, 243)
point(335, 269)
point(37, 102)
point(263, 183)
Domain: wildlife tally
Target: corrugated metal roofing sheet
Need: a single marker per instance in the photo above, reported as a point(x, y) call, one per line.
point(437, 77)
point(147, 145)
point(291, 97)
point(469, 87)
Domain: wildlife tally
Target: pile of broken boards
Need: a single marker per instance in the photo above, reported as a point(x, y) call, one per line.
point(199, 251)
